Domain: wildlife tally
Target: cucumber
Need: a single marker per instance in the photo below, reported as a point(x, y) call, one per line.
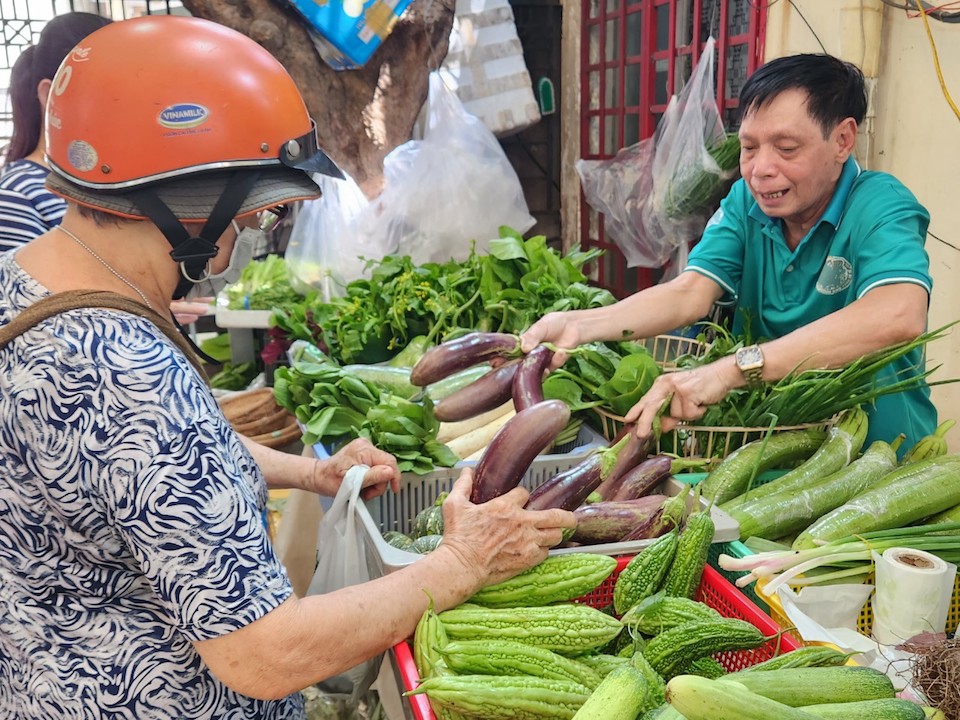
point(395, 380)
point(887, 709)
point(621, 694)
point(442, 388)
point(698, 698)
point(409, 356)
point(817, 685)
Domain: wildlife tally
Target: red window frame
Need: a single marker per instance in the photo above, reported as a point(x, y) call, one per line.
point(623, 93)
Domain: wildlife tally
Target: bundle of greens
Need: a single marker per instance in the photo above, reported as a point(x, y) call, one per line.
point(612, 375)
point(808, 396)
point(334, 406)
point(703, 190)
point(505, 290)
point(263, 285)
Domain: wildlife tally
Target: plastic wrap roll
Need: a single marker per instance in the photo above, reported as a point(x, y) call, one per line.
point(914, 589)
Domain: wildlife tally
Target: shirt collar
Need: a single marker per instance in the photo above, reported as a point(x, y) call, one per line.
point(834, 212)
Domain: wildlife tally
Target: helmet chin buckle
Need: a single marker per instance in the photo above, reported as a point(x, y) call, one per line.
point(194, 248)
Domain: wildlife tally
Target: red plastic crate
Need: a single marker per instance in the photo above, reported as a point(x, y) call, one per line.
point(715, 591)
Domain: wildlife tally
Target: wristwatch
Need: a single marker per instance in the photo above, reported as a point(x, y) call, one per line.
point(750, 361)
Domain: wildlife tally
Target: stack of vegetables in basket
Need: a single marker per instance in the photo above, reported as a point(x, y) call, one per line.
point(521, 649)
point(619, 478)
point(838, 504)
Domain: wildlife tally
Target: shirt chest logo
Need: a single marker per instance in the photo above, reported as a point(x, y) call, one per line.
point(836, 276)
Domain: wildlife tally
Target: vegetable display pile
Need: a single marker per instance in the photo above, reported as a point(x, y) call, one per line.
point(620, 480)
point(838, 505)
point(505, 290)
point(525, 648)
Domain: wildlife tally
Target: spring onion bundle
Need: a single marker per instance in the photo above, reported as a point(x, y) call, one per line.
point(843, 559)
point(812, 395)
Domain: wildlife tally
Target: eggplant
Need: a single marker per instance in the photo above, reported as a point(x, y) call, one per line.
point(633, 451)
point(671, 514)
point(643, 478)
point(514, 447)
point(528, 382)
point(568, 490)
point(487, 392)
point(611, 520)
point(463, 352)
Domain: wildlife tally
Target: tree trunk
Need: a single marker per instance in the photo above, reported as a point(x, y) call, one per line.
point(361, 114)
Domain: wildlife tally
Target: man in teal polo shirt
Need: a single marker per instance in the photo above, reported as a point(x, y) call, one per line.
point(825, 258)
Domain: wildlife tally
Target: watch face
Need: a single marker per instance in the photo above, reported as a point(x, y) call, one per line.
point(749, 357)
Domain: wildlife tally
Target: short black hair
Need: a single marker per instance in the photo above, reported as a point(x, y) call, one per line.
point(835, 88)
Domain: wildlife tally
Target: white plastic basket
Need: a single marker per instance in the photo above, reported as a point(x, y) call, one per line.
point(396, 511)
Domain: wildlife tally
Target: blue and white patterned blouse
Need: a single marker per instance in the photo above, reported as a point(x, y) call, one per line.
point(129, 524)
point(27, 208)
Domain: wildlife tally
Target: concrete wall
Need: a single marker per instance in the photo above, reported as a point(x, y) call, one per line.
point(912, 132)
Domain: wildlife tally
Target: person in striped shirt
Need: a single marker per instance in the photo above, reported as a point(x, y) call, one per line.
point(27, 208)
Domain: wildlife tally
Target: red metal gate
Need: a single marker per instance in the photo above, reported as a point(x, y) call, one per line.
point(635, 54)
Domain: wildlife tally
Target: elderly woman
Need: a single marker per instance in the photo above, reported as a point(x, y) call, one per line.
point(137, 578)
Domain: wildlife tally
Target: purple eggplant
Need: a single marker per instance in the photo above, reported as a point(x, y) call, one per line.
point(513, 448)
point(610, 520)
point(463, 352)
point(633, 451)
point(567, 490)
point(671, 514)
point(642, 479)
point(485, 393)
point(528, 382)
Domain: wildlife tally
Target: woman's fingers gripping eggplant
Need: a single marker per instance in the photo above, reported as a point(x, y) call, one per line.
point(485, 393)
point(528, 382)
point(514, 447)
point(463, 352)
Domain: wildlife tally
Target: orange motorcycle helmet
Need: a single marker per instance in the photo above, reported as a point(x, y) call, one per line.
point(177, 104)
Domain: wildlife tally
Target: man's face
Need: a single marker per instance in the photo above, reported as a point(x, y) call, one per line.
point(790, 168)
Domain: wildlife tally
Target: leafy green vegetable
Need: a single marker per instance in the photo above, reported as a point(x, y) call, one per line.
point(263, 285)
point(217, 347)
point(506, 290)
point(335, 405)
point(234, 377)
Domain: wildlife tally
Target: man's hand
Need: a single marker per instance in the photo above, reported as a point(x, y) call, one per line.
point(692, 392)
point(189, 312)
point(555, 328)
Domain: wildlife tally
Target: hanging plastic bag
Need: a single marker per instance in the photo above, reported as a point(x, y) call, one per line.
point(326, 249)
point(620, 187)
point(688, 181)
point(342, 562)
point(442, 193)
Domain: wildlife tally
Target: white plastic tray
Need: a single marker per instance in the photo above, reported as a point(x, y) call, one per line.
point(227, 318)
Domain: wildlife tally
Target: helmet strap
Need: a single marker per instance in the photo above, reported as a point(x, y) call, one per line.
point(193, 253)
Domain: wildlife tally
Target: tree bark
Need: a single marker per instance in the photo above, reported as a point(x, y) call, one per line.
point(361, 114)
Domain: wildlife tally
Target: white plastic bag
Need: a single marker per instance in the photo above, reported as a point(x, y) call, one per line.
point(326, 248)
point(342, 562)
point(619, 187)
point(443, 192)
point(683, 199)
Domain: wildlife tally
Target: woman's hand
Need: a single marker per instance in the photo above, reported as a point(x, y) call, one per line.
point(383, 472)
point(498, 539)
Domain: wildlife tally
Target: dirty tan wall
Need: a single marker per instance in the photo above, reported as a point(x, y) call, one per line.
point(912, 133)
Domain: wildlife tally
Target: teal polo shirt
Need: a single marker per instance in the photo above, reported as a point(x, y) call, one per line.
point(871, 234)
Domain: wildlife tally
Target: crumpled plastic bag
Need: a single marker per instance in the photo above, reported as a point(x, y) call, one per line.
point(342, 562)
point(443, 192)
